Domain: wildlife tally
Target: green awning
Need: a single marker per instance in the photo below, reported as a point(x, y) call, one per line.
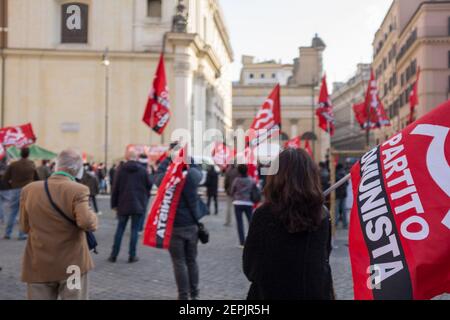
point(36, 153)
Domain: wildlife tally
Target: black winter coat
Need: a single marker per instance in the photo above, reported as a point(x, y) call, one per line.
point(131, 191)
point(285, 266)
point(212, 181)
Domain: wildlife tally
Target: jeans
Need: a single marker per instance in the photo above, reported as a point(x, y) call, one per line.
point(3, 201)
point(12, 211)
point(121, 226)
point(214, 197)
point(341, 213)
point(183, 251)
point(239, 211)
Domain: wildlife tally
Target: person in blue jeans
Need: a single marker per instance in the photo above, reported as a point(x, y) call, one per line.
point(17, 176)
point(241, 192)
point(129, 199)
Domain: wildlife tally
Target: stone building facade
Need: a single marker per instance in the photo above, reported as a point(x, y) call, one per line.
point(299, 93)
point(55, 79)
point(348, 135)
point(413, 34)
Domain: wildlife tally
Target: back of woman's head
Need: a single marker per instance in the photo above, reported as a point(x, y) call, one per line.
point(243, 170)
point(294, 191)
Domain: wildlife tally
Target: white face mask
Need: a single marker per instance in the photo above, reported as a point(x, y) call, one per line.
point(80, 173)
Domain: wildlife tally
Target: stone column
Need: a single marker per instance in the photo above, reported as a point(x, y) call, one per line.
point(182, 106)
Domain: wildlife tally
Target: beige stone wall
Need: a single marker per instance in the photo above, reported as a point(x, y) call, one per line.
point(430, 51)
point(57, 86)
point(56, 90)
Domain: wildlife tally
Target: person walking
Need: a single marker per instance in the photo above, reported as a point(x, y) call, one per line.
point(286, 255)
point(101, 175)
point(129, 199)
point(44, 172)
point(341, 195)
point(212, 188)
point(17, 176)
point(184, 242)
point(57, 250)
point(230, 174)
point(90, 180)
point(241, 192)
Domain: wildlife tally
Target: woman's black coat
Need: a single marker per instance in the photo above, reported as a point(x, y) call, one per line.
point(285, 266)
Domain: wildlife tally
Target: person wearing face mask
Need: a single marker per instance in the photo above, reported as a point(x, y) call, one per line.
point(55, 244)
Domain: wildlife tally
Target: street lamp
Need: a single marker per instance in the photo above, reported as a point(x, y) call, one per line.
point(106, 63)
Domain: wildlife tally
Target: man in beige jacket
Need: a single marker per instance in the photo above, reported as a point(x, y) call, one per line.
point(57, 258)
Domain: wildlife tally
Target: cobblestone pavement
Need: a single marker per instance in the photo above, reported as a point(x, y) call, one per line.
point(152, 278)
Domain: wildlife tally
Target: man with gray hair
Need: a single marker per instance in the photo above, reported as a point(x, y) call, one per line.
point(57, 258)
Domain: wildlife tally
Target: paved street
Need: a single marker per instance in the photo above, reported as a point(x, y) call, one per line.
point(152, 278)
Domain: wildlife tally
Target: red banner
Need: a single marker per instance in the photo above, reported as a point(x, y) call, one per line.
point(158, 231)
point(325, 110)
point(400, 223)
point(157, 111)
point(267, 122)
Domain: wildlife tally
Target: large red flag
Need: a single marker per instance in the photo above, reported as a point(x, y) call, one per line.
point(400, 222)
point(325, 110)
point(414, 98)
point(158, 231)
point(294, 143)
point(157, 112)
point(267, 122)
point(360, 111)
point(377, 115)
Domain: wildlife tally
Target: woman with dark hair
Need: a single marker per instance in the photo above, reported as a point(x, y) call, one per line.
point(286, 255)
point(241, 190)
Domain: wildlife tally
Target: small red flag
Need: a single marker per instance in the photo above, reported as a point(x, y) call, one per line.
point(360, 111)
point(377, 114)
point(157, 112)
point(267, 122)
point(294, 143)
point(414, 98)
point(325, 110)
point(18, 136)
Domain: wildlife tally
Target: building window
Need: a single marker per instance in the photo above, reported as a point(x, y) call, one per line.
point(74, 22)
point(251, 76)
point(154, 8)
point(263, 75)
point(274, 75)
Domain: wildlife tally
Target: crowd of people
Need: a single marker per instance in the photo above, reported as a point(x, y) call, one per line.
point(287, 242)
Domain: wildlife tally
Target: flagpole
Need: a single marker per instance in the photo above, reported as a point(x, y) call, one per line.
point(337, 185)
